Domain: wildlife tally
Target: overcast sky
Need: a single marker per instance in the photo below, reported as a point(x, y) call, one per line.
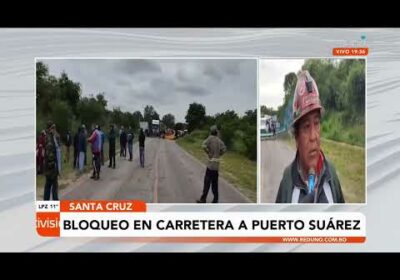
point(272, 75)
point(170, 85)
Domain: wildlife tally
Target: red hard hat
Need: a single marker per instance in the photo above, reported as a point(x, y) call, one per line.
point(306, 96)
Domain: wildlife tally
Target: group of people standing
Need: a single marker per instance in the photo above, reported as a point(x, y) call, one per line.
point(50, 147)
point(126, 141)
point(48, 152)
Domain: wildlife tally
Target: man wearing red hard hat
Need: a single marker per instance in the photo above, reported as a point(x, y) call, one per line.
point(311, 177)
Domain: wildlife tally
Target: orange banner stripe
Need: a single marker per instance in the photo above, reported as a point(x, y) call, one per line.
point(303, 239)
point(102, 206)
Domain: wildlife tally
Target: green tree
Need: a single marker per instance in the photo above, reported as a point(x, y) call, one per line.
point(248, 126)
point(138, 116)
point(227, 116)
point(209, 121)
point(101, 99)
point(128, 120)
point(46, 88)
point(250, 141)
point(42, 73)
point(69, 91)
point(61, 116)
point(228, 124)
point(179, 126)
point(91, 111)
point(285, 110)
point(267, 111)
point(116, 116)
point(355, 97)
point(289, 85)
point(169, 120)
point(195, 116)
point(150, 114)
point(250, 117)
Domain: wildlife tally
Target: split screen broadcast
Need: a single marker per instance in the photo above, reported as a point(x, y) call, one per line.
point(200, 131)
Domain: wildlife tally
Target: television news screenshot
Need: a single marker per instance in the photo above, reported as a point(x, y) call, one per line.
point(199, 140)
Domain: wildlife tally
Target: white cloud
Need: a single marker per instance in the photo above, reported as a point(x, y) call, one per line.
point(272, 75)
point(170, 85)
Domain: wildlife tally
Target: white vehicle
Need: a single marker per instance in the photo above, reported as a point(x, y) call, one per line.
point(267, 125)
point(155, 127)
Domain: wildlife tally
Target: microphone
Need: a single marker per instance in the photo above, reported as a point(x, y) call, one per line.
point(311, 179)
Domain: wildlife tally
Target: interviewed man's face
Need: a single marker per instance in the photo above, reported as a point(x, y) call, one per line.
point(308, 139)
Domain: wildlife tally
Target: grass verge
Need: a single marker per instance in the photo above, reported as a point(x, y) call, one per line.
point(235, 168)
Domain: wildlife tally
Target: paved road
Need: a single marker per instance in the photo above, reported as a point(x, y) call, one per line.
point(170, 175)
point(275, 156)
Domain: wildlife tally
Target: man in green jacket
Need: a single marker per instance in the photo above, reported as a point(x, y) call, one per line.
point(51, 170)
point(311, 177)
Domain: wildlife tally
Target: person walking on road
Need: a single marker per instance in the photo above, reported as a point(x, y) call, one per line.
point(95, 140)
point(81, 149)
point(86, 135)
point(111, 148)
point(141, 147)
point(68, 142)
point(102, 137)
point(57, 141)
point(122, 141)
point(215, 148)
point(130, 137)
point(76, 149)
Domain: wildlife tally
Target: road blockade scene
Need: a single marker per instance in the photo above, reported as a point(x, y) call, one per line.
point(157, 130)
point(312, 130)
